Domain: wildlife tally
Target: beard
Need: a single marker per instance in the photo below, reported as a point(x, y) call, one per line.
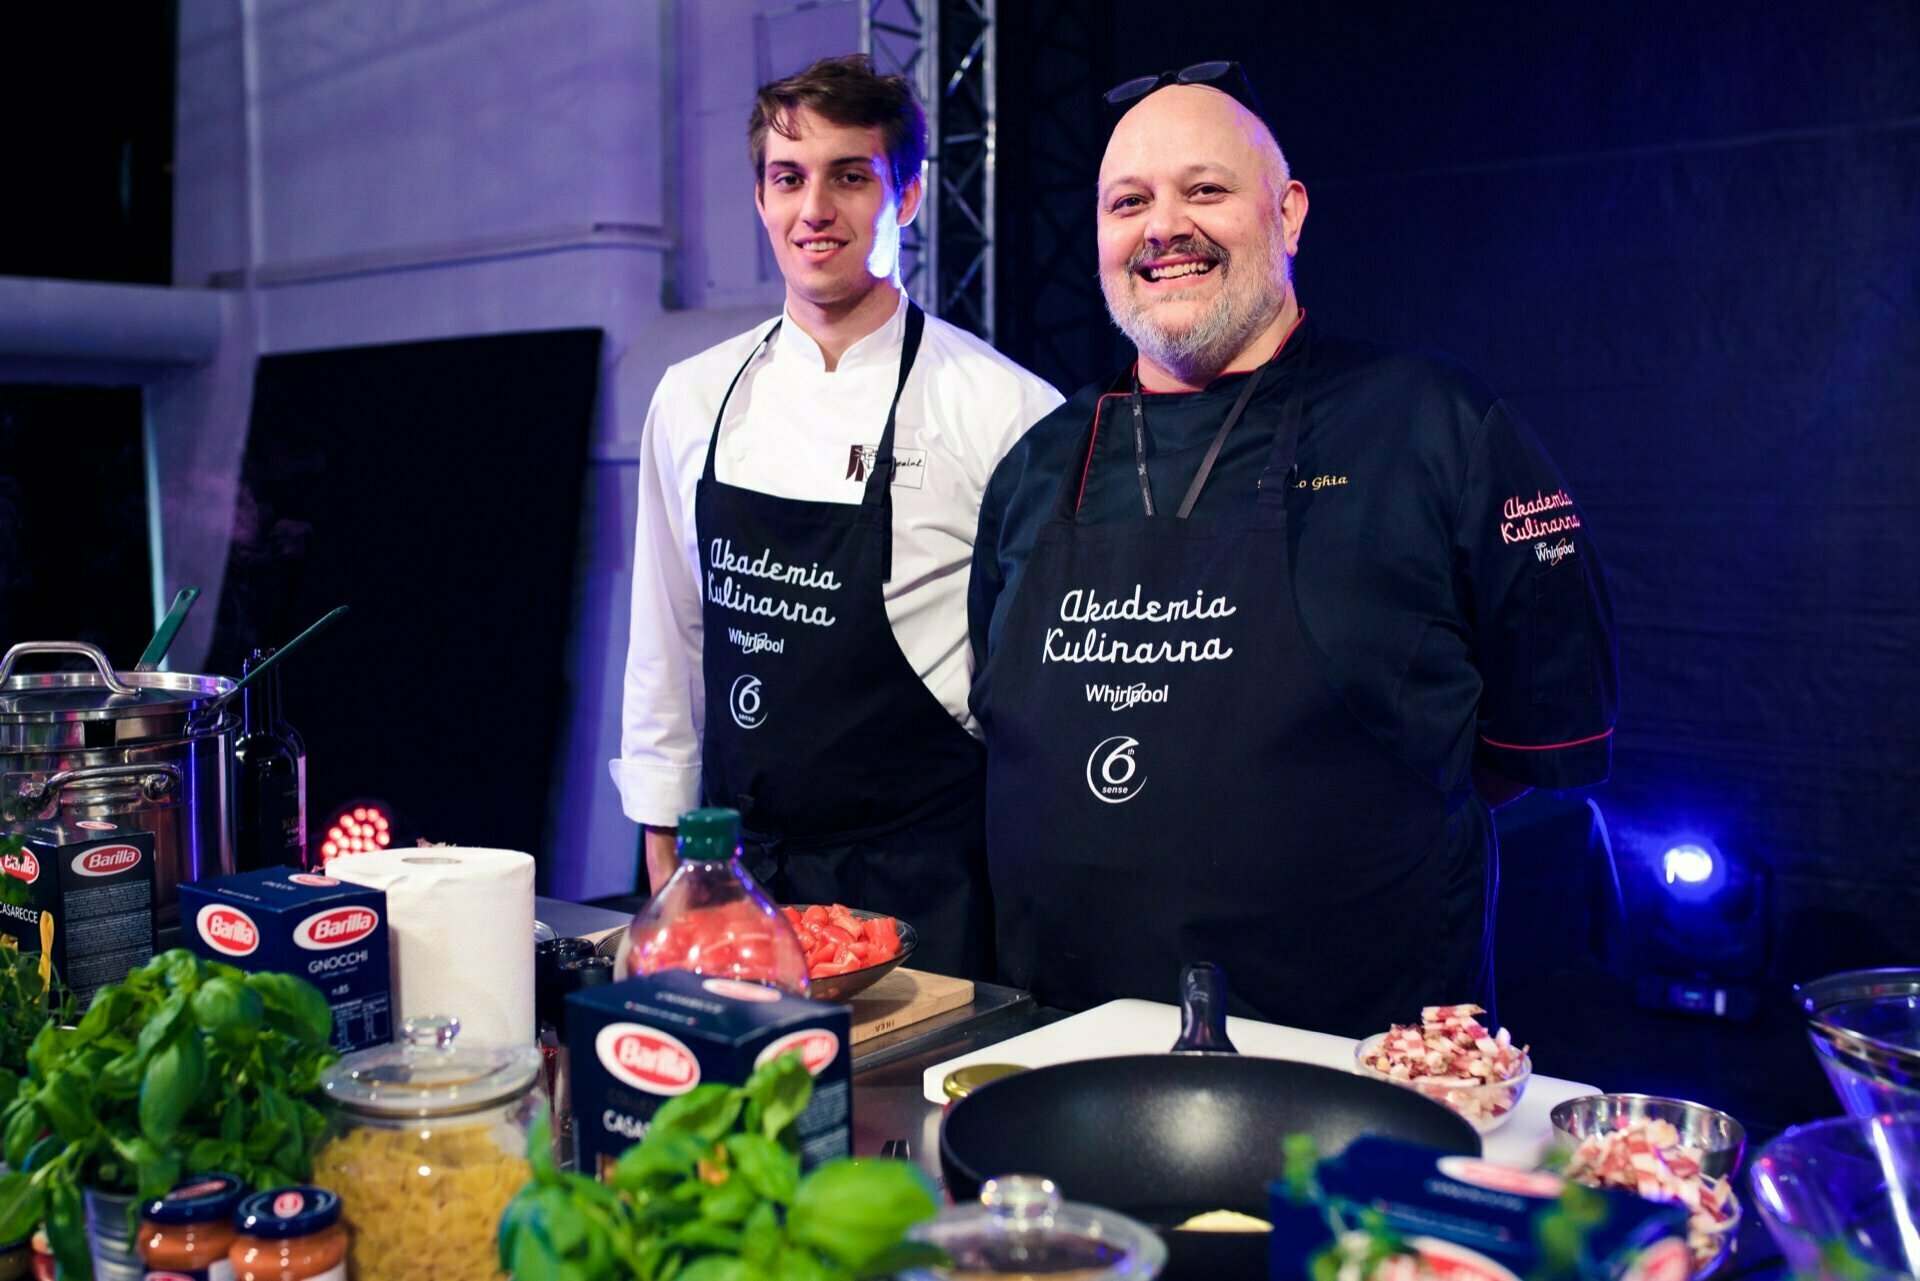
point(1252, 294)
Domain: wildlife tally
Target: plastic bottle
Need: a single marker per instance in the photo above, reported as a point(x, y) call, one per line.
point(711, 917)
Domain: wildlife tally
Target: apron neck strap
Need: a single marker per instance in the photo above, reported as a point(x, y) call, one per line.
point(1278, 477)
point(713, 437)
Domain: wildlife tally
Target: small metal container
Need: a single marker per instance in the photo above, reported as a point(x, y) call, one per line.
point(143, 750)
point(1720, 1139)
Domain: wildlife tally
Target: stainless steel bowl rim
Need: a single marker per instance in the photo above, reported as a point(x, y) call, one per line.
point(1565, 1108)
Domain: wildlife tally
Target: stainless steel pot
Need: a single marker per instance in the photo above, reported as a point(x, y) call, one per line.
point(144, 750)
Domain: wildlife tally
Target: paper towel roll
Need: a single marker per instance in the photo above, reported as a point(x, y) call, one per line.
point(461, 925)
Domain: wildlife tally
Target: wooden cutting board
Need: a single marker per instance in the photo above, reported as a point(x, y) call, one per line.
point(905, 996)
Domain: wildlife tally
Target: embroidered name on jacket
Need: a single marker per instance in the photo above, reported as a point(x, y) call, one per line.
point(1519, 525)
point(723, 563)
point(909, 465)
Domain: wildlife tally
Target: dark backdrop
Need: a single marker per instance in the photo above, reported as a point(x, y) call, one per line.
point(1684, 240)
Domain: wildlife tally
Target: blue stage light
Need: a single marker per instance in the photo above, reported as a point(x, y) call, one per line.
point(1687, 865)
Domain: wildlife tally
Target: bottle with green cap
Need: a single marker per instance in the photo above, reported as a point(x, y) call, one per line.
point(712, 917)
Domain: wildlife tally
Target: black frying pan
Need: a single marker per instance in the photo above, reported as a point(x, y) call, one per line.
point(1163, 1137)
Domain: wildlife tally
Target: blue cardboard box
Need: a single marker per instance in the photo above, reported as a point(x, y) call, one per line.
point(329, 932)
point(635, 1044)
point(1473, 1220)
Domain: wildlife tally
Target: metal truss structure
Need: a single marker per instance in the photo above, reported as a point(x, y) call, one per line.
point(945, 49)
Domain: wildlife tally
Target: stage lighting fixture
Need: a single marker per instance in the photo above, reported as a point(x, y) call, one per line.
point(1700, 921)
point(360, 827)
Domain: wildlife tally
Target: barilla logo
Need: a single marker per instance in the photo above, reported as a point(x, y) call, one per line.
point(23, 865)
point(740, 990)
point(166, 1276)
point(335, 928)
point(288, 1204)
point(192, 1190)
point(307, 878)
point(1667, 1260)
point(105, 860)
point(227, 929)
point(818, 1047)
point(97, 825)
point(647, 1059)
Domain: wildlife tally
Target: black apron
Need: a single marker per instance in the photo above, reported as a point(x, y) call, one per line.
point(1171, 779)
point(855, 785)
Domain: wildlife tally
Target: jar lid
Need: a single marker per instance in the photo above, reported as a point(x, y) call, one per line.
point(963, 1081)
point(426, 1074)
point(289, 1212)
point(1021, 1227)
point(200, 1198)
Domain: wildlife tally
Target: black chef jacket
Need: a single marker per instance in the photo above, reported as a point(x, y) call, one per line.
point(1443, 572)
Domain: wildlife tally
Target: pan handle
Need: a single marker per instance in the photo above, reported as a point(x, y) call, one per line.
point(156, 781)
point(81, 648)
point(1203, 1010)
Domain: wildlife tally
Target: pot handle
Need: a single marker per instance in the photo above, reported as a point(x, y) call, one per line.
point(1203, 1010)
point(156, 781)
point(81, 648)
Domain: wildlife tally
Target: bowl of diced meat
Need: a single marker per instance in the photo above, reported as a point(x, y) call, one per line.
point(1662, 1149)
point(1452, 1058)
point(848, 950)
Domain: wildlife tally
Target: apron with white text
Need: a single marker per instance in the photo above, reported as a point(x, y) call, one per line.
point(1171, 779)
point(854, 784)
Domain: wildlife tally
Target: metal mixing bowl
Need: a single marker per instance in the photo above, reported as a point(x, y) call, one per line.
point(1721, 1140)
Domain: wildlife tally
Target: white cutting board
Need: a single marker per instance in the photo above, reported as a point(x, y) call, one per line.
point(1148, 1027)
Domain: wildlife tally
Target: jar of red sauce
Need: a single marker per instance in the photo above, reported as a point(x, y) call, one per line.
point(290, 1234)
point(185, 1235)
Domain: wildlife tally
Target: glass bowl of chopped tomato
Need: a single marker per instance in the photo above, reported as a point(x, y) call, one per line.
point(1485, 1103)
point(848, 950)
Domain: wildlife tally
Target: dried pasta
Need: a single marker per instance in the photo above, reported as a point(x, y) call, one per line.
point(422, 1204)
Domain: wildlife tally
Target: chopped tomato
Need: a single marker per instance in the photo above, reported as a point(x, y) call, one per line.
point(838, 942)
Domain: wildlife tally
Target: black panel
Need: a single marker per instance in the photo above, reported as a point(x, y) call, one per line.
point(435, 488)
point(86, 117)
point(74, 559)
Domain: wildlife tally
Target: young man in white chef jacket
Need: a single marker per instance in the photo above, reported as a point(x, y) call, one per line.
point(809, 494)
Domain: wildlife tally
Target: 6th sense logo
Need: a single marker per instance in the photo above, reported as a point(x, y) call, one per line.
point(1113, 773)
point(743, 700)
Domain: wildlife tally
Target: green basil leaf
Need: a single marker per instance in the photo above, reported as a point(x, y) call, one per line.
point(183, 970)
point(40, 1153)
point(120, 1077)
point(225, 1008)
point(65, 1107)
point(760, 1238)
point(903, 1256)
point(159, 1174)
point(274, 1114)
point(707, 1111)
point(854, 1209)
point(23, 1126)
point(9, 1088)
point(777, 1094)
point(207, 1154)
point(160, 1026)
point(661, 1160)
point(540, 1150)
point(21, 1207)
point(67, 1230)
point(174, 1076)
point(44, 1054)
point(233, 1120)
point(294, 1006)
point(729, 1203)
point(110, 1007)
point(716, 1267)
point(796, 1263)
point(771, 1170)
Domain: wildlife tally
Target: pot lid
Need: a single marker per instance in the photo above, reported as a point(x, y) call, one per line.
point(1022, 1228)
point(101, 694)
point(426, 1074)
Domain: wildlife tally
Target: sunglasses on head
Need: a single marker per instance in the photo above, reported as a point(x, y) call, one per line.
point(1229, 78)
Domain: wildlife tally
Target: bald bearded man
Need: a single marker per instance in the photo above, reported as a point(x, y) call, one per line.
point(1268, 623)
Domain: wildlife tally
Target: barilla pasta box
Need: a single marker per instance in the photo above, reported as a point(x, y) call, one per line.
point(331, 933)
point(1475, 1220)
point(89, 900)
point(635, 1044)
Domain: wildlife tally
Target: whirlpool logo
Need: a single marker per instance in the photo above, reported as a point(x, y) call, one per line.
point(1113, 771)
point(743, 700)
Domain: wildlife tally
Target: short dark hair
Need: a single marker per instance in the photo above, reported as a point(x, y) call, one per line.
point(847, 91)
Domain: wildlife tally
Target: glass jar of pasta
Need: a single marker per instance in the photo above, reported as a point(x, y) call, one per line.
point(428, 1144)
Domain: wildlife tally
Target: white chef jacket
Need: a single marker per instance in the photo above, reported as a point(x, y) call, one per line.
point(794, 430)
